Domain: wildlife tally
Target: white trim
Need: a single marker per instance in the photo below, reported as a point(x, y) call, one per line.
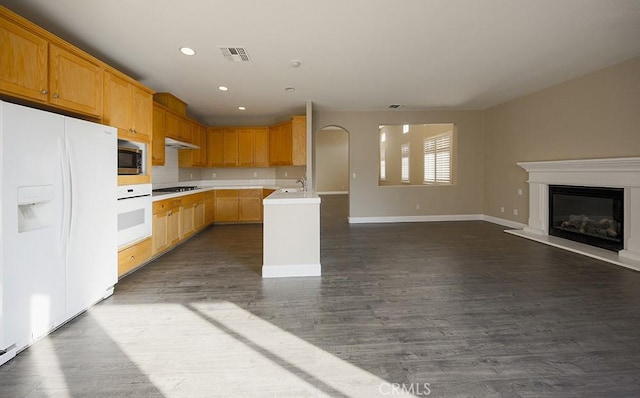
point(580, 248)
point(334, 193)
point(9, 353)
point(295, 270)
point(398, 219)
point(503, 222)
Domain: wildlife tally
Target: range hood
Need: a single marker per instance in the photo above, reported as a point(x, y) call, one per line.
point(171, 143)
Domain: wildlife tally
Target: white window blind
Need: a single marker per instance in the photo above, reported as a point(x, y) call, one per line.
point(404, 176)
point(437, 159)
point(383, 164)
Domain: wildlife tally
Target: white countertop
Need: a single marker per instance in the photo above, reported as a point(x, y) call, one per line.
point(156, 196)
point(291, 196)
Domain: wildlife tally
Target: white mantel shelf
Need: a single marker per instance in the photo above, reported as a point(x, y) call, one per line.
point(609, 172)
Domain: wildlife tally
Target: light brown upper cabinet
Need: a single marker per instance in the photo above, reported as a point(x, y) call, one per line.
point(75, 82)
point(23, 62)
point(195, 157)
point(253, 146)
point(280, 144)
point(35, 69)
point(157, 144)
point(299, 140)
point(128, 107)
point(215, 147)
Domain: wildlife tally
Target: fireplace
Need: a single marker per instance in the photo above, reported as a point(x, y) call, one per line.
point(623, 174)
point(590, 215)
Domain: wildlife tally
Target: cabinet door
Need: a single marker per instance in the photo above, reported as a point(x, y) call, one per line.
point(215, 147)
point(199, 215)
point(141, 113)
point(250, 205)
point(117, 103)
point(188, 226)
point(209, 207)
point(157, 144)
point(75, 82)
point(284, 143)
point(159, 230)
point(172, 125)
point(174, 226)
point(245, 147)
point(23, 62)
point(201, 154)
point(299, 141)
point(133, 256)
point(185, 129)
point(261, 147)
point(227, 205)
point(230, 147)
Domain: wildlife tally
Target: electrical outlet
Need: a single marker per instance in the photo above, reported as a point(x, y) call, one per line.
point(354, 176)
point(519, 191)
point(213, 175)
point(191, 176)
point(502, 209)
point(515, 212)
point(255, 173)
point(418, 206)
point(286, 174)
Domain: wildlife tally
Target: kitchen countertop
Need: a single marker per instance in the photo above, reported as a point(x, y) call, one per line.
point(156, 196)
point(293, 196)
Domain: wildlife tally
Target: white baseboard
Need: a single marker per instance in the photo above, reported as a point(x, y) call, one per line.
point(7, 354)
point(333, 193)
point(398, 219)
point(294, 270)
point(503, 222)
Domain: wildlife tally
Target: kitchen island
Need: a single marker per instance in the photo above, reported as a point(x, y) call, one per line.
point(291, 234)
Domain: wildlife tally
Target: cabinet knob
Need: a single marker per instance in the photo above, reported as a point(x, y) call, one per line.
point(45, 91)
point(133, 258)
point(56, 95)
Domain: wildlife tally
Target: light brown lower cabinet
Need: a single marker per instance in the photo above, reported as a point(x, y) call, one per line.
point(238, 205)
point(192, 214)
point(250, 205)
point(209, 207)
point(226, 205)
point(134, 256)
point(166, 224)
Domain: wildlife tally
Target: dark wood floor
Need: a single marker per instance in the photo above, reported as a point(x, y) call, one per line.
point(441, 309)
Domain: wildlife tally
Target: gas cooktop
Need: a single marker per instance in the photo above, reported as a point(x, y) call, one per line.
point(176, 189)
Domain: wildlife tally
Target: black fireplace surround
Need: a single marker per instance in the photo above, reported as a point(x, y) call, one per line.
point(591, 215)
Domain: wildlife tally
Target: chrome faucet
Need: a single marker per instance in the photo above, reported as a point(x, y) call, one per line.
point(303, 182)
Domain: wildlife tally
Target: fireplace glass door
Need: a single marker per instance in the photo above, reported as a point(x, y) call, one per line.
point(590, 215)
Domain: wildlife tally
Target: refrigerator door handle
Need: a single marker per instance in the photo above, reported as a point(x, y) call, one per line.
point(70, 167)
point(66, 198)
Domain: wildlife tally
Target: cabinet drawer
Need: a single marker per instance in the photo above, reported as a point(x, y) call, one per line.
point(133, 256)
point(191, 199)
point(227, 193)
point(250, 193)
point(164, 205)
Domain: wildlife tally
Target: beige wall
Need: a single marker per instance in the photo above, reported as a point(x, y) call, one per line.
point(332, 161)
point(367, 199)
point(594, 116)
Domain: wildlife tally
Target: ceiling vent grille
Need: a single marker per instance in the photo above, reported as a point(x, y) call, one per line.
point(235, 54)
point(395, 106)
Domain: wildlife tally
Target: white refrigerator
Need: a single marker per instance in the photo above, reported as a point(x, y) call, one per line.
point(58, 242)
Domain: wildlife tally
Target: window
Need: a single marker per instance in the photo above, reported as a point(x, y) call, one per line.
point(405, 128)
point(437, 159)
point(383, 165)
point(383, 136)
point(404, 173)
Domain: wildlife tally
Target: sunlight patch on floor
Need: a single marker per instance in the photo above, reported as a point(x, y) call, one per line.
point(220, 349)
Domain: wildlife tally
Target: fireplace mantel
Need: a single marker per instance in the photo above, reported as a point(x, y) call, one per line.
point(610, 172)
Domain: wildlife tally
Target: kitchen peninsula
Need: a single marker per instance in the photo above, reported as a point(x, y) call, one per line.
point(291, 234)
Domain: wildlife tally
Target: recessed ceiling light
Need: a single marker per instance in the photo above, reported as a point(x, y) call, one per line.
point(187, 51)
point(223, 88)
point(290, 89)
point(242, 108)
point(295, 64)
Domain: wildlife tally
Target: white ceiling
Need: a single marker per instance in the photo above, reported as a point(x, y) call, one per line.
point(354, 54)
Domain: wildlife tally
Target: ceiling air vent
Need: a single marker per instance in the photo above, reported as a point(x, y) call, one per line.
point(395, 106)
point(235, 54)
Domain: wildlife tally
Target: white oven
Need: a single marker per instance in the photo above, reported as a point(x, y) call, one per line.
point(134, 213)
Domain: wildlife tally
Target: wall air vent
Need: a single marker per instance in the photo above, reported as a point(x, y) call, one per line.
point(235, 54)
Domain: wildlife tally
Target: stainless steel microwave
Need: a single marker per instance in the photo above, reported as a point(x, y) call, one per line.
point(129, 160)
